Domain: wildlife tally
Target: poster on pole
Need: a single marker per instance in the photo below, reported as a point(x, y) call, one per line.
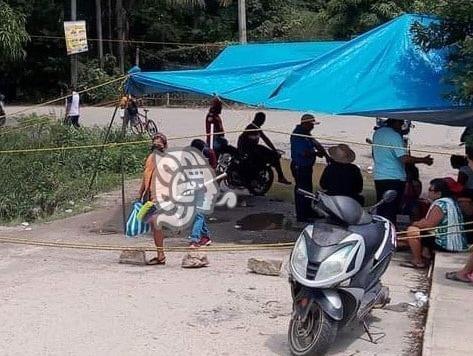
point(76, 37)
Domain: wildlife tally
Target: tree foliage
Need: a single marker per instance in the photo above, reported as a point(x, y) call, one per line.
point(44, 71)
point(13, 35)
point(344, 19)
point(454, 31)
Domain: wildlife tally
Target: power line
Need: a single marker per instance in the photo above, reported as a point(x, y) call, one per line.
point(216, 44)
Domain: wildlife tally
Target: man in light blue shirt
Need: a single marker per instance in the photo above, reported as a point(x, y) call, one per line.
point(390, 157)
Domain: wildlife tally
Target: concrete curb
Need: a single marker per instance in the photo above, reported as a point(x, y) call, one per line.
point(449, 328)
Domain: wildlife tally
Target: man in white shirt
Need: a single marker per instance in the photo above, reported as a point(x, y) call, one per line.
point(72, 109)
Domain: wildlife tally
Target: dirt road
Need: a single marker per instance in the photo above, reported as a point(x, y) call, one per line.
point(74, 302)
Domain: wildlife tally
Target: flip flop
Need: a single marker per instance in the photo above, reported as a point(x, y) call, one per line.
point(154, 261)
point(413, 265)
point(453, 276)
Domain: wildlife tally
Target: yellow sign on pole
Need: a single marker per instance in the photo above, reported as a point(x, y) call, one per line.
point(76, 37)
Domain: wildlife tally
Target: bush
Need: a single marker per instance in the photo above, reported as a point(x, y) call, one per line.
point(34, 185)
point(90, 74)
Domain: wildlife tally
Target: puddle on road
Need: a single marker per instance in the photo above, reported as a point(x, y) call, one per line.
point(262, 221)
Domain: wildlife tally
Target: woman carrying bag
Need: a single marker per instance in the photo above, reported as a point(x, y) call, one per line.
point(148, 193)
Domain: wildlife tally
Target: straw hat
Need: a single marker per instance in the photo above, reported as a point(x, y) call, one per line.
point(342, 153)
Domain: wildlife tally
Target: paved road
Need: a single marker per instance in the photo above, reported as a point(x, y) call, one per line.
point(183, 122)
point(56, 302)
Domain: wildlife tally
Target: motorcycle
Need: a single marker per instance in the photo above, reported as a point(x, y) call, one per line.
point(243, 172)
point(335, 270)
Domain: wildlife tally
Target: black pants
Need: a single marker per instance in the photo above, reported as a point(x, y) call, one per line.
point(389, 210)
point(129, 120)
point(303, 179)
point(74, 120)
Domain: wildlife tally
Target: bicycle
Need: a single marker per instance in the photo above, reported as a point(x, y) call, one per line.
point(142, 123)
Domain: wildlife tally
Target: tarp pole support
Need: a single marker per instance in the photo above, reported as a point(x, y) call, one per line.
point(122, 168)
point(99, 159)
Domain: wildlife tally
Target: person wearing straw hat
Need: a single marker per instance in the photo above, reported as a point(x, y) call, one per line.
point(304, 150)
point(341, 176)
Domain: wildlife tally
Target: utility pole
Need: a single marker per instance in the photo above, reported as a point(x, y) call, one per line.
point(137, 57)
point(98, 21)
point(109, 26)
point(121, 36)
point(73, 56)
point(242, 21)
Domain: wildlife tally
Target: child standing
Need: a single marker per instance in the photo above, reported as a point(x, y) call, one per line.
point(200, 234)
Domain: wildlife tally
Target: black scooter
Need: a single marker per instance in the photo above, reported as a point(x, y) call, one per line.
point(335, 270)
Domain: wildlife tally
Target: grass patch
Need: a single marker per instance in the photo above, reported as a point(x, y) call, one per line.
point(40, 184)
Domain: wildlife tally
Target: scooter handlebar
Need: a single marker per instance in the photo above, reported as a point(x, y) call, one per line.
point(306, 194)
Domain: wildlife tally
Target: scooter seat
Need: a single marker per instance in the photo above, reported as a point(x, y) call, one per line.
point(372, 233)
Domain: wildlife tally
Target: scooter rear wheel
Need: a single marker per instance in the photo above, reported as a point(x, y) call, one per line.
point(313, 336)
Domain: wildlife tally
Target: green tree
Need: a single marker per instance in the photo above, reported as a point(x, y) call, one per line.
point(453, 31)
point(347, 18)
point(270, 20)
point(13, 35)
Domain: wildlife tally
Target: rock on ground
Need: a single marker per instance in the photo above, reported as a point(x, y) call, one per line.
point(194, 260)
point(265, 266)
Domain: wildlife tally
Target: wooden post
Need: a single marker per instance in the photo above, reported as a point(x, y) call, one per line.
point(97, 163)
point(122, 168)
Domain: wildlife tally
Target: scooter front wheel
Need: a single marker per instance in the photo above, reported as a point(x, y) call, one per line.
point(314, 335)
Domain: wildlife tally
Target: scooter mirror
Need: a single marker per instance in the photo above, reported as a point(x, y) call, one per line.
point(389, 196)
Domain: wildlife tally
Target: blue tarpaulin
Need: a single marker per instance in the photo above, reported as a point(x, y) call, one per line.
point(271, 53)
point(380, 73)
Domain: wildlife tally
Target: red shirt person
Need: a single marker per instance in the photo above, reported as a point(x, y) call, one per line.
point(213, 118)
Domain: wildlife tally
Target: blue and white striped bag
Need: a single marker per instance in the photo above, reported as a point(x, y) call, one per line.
point(135, 226)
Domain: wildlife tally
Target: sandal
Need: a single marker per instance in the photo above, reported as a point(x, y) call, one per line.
point(413, 265)
point(453, 276)
point(155, 261)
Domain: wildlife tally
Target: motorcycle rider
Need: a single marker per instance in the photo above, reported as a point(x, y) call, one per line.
point(248, 143)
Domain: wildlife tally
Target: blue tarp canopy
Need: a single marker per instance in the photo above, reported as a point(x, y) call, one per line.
point(271, 53)
point(380, 73)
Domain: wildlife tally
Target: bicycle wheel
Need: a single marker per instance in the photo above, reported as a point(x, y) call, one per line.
point(137, 127)
point(151, 127)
